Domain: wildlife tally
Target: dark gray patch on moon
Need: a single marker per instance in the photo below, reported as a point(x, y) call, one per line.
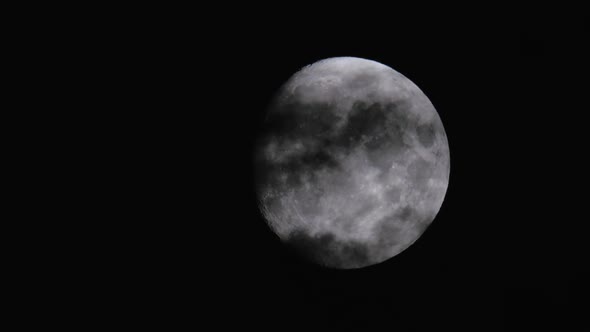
point(372, 125)
point(405, 213)
point(360, 81)
point(426, 134)
point(328, 250)
point(352, 164)
point(393, 195)
point(420, 172)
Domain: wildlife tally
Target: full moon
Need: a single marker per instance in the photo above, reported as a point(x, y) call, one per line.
point(352, 164)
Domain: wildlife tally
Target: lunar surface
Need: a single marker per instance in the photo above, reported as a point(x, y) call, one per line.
point(353, 163)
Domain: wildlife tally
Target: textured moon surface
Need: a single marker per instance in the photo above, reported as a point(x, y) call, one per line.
point(352, 164)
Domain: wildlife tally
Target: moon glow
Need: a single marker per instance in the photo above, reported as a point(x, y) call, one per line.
point(352, 164)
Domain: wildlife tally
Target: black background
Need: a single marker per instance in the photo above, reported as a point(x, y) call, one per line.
point(503, 252)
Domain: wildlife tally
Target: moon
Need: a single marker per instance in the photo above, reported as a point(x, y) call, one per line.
point(352, 164)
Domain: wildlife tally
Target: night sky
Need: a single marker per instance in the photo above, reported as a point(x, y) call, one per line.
point(502, 253)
